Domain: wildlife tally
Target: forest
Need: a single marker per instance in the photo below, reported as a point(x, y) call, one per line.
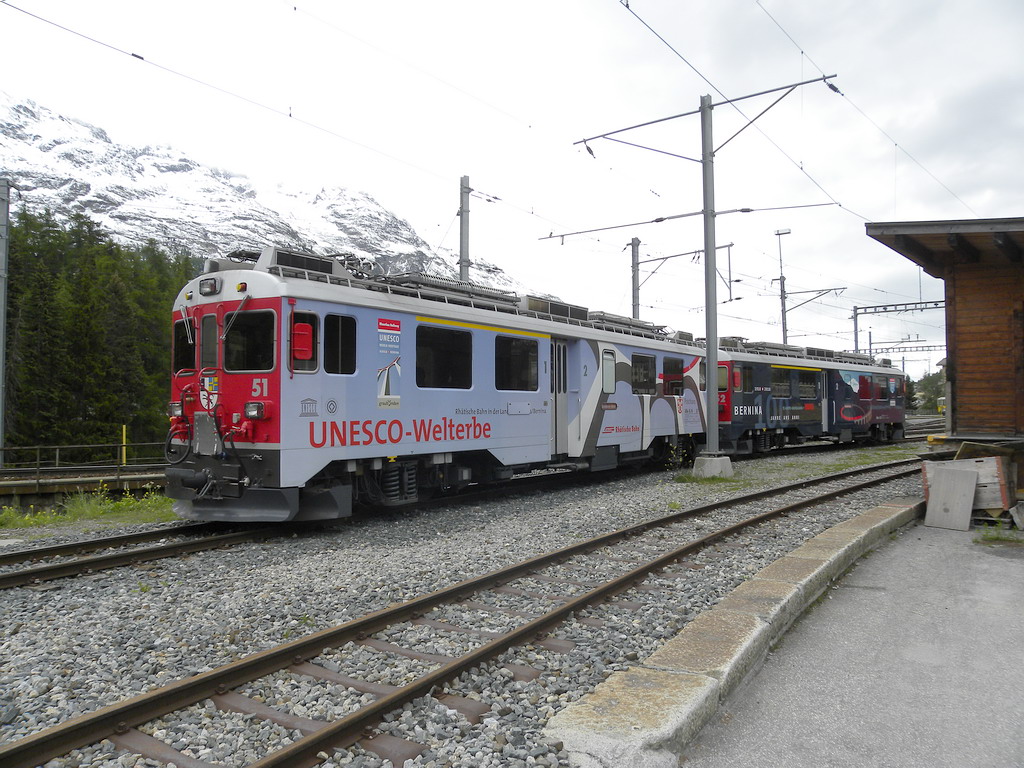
point(88, 333)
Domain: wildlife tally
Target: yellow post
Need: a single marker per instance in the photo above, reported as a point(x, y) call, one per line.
point(124, 445)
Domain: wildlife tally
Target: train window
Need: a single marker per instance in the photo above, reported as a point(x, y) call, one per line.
point(723, 376)
point(552, 367)
point(563, 368)
point(299, 319)
point(807, 384)
point(864, 388)
point(339, 344)
point(881, 388)
point(444, 358)
point(208, 342)
point(644, 376)
point(608, 371)
point(748, 378)
point(184, 346)
point(782, 385)
point(249, 341)
point(515, 364)
point(673, 369)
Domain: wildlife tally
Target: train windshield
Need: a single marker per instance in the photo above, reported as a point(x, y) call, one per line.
point(184, 346)
point(249, 341)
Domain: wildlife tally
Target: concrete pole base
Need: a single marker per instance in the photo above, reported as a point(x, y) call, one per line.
point(712, 466)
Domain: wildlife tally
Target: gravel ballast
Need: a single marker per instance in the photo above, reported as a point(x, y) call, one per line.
point(82, 643)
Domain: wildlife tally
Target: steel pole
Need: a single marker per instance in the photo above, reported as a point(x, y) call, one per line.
point(707, 159)
point(782, 290)
point(635, 245)
point(464, 229)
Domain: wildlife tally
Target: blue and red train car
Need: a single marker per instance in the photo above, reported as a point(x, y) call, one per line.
point(781, 395)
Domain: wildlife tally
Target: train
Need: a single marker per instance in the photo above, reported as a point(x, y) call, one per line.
point(303, 385)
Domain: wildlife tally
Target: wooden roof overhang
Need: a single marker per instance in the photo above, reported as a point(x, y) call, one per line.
point(938, 246)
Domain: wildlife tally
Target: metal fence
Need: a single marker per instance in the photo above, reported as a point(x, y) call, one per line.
point(42, 460)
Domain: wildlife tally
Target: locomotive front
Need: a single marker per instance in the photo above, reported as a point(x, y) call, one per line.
point(224, 439)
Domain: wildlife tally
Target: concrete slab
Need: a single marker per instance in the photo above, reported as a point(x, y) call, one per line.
point(777, 603)
point(841, 553)
point(641, 717)
point(721, 644)
point(868, 525)
point(811, 574)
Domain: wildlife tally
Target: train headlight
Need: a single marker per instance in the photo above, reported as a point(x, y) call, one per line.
point(209, 286)
point(175, 409)
point(254, 410)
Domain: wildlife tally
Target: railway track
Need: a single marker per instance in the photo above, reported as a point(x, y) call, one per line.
point(919, 428)
point(438, 636)
point(67, 560)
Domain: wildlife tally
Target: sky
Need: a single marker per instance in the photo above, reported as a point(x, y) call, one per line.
point(402, 98)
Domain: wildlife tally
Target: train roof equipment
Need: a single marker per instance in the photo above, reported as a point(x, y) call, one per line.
point(348, 270)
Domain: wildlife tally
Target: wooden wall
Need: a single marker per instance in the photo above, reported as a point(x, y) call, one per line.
point(985, 346)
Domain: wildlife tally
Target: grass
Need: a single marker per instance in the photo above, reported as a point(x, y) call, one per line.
point(860, 457)
point(837, 460)
point(95, 510)
point(999, 533)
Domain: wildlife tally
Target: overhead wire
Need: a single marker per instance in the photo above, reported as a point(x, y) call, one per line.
point(529, 124)
point(405, 61)
point(897, 146)
point(798, 166)
point(290, 113)
point(831, 86)
point(224, 91)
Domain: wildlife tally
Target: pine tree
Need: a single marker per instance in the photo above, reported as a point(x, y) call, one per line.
point(89, 326)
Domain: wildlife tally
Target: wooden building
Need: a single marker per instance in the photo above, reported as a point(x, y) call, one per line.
point(981, 263)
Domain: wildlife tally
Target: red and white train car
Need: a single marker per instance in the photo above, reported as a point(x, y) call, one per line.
point(301, 386)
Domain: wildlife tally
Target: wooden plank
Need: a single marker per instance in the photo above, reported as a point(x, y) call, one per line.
point(984, 301)
point(996, 486)
point(978, 343)
point(987, 425)
point(974, 389)
point(981, 335)
point(999, 291)
point(995, 398)
point(994, 410)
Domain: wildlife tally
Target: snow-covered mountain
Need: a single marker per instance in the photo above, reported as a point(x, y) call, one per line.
point(138, 194)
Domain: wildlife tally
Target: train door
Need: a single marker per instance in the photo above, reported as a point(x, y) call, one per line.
point(823, 399)
point(559, 397)
point(724, 392)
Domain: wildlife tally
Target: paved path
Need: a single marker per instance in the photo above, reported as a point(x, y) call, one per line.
point(915, 658)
